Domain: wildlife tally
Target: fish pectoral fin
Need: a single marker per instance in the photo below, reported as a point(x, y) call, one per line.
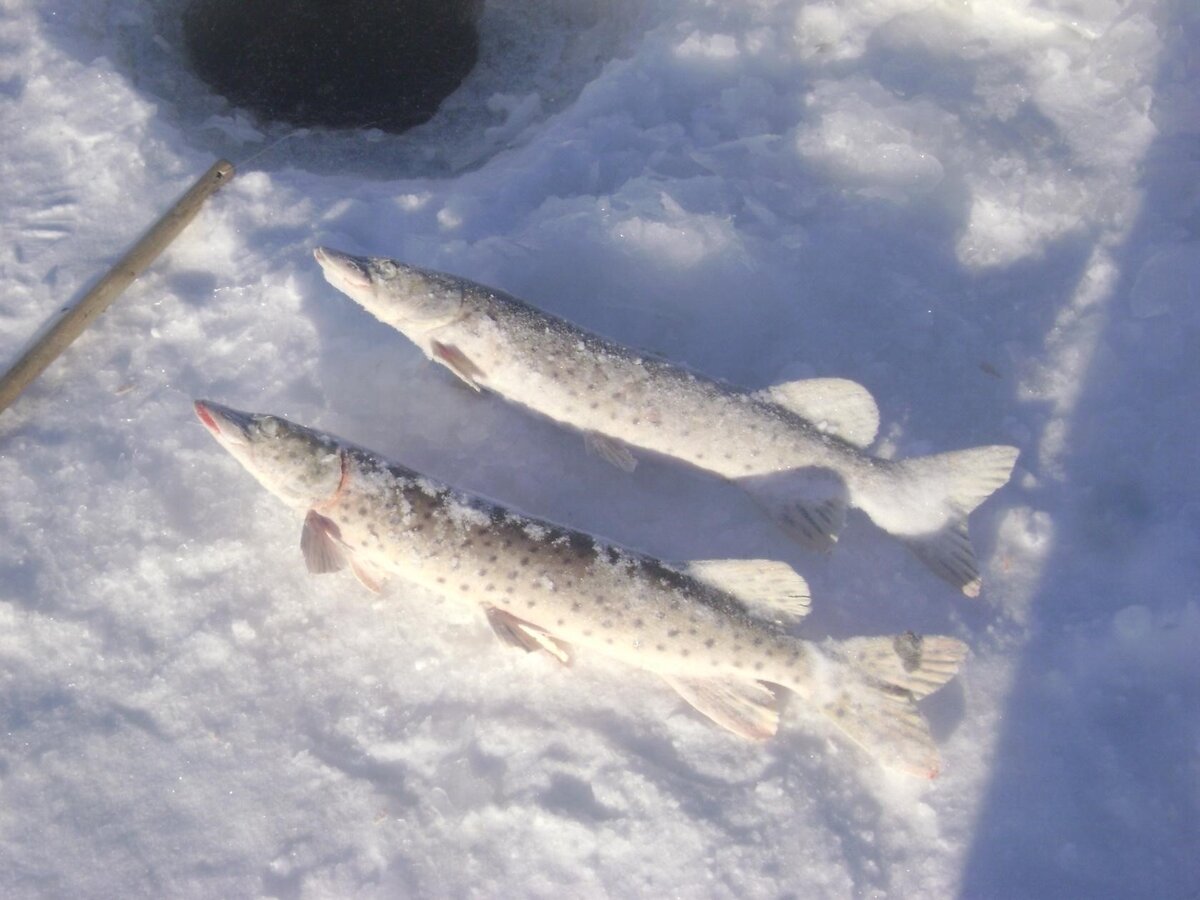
point(525, 635)
point(772, 590)
point(321, 544)
point(325, 551)
point(835, 406)
point(610, 450)
point(808, 504)
point(368, 575)
point(749, 709)
point(457, 362)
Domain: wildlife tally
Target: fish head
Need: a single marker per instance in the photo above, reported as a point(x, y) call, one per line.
point(408, 298)
point(301, 466)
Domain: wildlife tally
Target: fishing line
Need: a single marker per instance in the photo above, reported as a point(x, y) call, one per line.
point(298, 132)
point(294, 133)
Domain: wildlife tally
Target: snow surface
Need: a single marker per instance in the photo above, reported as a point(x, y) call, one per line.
point(987, 213)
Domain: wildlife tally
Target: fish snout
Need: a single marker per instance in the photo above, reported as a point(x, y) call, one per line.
point(227, 425)
point(342, 270)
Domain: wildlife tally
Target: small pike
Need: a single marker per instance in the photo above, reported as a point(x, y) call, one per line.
point(797, 448)
point(711, 629)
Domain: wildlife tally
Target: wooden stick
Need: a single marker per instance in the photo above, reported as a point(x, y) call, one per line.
point(46, 348)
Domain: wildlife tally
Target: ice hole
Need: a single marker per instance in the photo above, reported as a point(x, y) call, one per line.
point(385, 64)
point(532, 59)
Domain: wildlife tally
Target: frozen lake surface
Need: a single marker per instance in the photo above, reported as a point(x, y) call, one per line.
point(987, 214)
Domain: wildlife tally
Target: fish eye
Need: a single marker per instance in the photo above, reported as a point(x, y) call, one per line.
point(269, 426)
point(386, 269)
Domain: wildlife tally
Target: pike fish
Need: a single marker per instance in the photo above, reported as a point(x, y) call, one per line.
point(714, 630)
point(798, 448)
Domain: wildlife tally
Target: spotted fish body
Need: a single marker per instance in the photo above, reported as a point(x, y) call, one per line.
point(711, 629)
point(797, 448)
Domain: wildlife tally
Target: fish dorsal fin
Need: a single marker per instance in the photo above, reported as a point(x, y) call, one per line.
point(808, 504)
point(772, 590)
point(321, 544)
point(525, 635)
point(836, 406)
point(749, 709)
point(610, 450)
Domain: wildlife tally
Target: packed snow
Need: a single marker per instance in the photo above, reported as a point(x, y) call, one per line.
point(986, 213)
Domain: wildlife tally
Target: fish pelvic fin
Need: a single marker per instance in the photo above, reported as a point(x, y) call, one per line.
point(525, 635)
point(953, 483)
point(875, 706)
point(610, 450)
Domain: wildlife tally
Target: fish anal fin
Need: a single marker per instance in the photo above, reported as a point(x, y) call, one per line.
point(771, 590)
point(610, 450)
point(321, 544)
point(517, 632)
point(749, 709)
point(457, 362)
point(836, 406)
point(808, 504)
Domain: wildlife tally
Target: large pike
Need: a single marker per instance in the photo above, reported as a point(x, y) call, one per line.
point(711, 629)
point(799, 448)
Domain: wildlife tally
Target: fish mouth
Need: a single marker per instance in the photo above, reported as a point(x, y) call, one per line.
point(343, 271)
point(226, 425)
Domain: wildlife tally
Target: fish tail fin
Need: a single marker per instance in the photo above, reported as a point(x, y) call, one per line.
point(877, 709)
point(919, 664)
point(941, 491)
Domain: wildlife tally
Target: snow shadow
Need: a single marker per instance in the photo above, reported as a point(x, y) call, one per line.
point(1093, 789)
